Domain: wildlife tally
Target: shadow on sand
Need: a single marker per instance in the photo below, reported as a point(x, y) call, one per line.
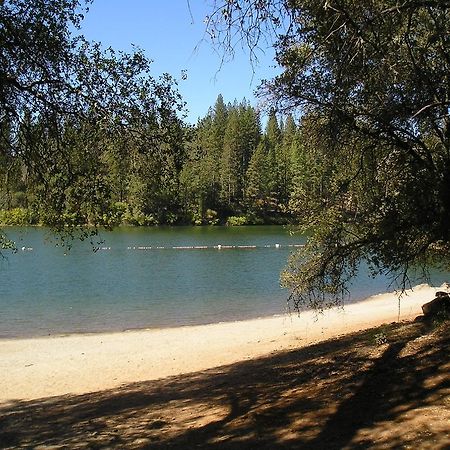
point(351, 392)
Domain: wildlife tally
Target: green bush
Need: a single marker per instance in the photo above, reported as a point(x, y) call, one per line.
point(138, 218)
point(236, 221)
point(15, 216)
point(211, 217)
point(116, 215)
point(171, 218)
point(196, 219)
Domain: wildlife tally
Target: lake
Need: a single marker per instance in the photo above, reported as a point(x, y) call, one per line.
point(147, 277)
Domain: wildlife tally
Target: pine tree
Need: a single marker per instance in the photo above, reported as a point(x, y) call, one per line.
point(285, 160)
point(231, 160)
point(241, 138)
point(273, 139)
point(257, 190)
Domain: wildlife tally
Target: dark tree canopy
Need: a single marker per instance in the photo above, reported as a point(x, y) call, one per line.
point(372, 82)
point(64, 100)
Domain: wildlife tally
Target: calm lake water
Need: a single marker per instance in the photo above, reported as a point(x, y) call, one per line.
point(147, 277)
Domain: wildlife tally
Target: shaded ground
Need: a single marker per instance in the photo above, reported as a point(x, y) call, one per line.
point(383, 388)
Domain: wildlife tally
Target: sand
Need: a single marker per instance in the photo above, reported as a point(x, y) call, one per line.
point(76, 364)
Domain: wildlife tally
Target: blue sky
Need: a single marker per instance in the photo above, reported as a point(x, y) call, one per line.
point(176, 41)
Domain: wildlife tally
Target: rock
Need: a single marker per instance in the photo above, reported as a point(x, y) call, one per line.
point(441, 304)
point(442, 294)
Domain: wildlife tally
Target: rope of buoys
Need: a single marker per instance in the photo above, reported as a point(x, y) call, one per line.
point(210, 247)
point(196, 247)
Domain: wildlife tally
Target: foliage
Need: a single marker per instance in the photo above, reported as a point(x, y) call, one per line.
point(186, 182)
point(236, 221)
point(380, 338)
point(65, 102)
point(227, 167)
point(6, 243)
point(211, 217)
point(15, 216)
point(371, 82)
point(89, 138)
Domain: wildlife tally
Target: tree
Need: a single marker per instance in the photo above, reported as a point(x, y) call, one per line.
point(240, 141)
point(231, 162)
point(64, 100)
point(258, 176)
point(286, 159)
point(201, 174)
point(374, 76)
point(215, 149)
point(278, 161)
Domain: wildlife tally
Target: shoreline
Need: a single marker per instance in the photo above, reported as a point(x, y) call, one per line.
point(61, 334)
point(287, 313)
point(46, 366)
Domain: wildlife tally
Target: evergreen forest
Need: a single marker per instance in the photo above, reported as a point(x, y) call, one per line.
point(225, 170)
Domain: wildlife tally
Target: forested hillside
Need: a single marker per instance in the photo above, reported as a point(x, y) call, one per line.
point(226, 169)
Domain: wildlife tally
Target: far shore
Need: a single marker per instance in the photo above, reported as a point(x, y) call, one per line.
point(81, 363)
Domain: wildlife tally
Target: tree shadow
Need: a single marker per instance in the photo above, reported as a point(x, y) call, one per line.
point(331, 395)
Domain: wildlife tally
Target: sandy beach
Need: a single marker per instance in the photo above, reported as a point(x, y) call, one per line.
point(76, 364)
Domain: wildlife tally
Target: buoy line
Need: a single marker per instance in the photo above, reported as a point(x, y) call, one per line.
point(195, 247)
point(210, 247)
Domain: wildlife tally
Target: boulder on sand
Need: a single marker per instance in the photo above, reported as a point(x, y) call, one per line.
point(441, 304)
